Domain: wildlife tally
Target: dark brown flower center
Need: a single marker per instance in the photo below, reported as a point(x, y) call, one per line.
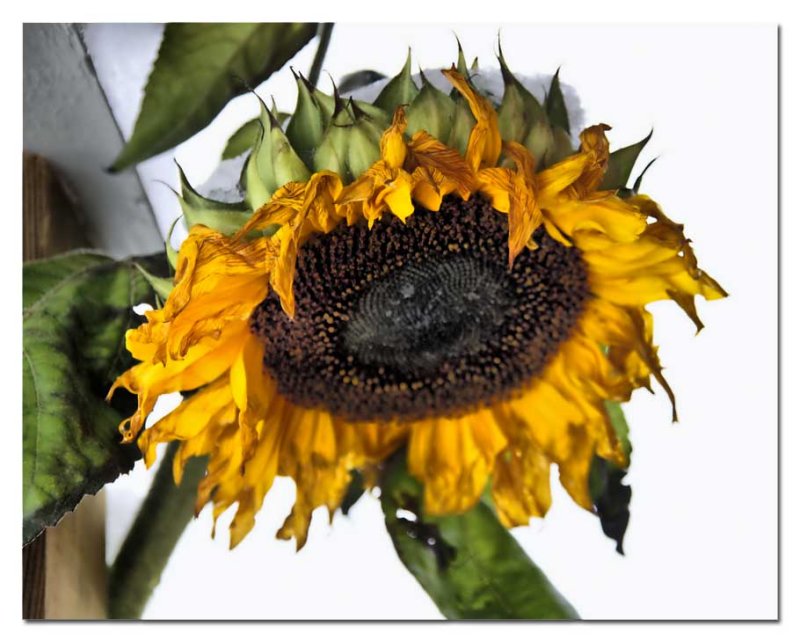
point(422, 319)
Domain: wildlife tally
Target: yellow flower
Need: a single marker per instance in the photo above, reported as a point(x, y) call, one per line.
point(468, 307)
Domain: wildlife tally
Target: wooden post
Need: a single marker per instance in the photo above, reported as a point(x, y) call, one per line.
point(63, 570)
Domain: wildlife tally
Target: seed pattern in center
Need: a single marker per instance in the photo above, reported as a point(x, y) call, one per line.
point(422, 319)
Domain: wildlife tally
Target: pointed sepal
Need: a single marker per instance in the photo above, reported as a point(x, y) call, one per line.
point(256, 192)
point(431, 111)
point(401, 90)
point(461, 63)
point(307, 124)
point(331, 154)
point(555, 106)
point(226, 218)
point(560, 148)
point(287, 165)
point(171, 252)
point(463, 122)
point(363, 148)
point(519, 111)
point(162, 286)
point(538, 141)
point(621, 162)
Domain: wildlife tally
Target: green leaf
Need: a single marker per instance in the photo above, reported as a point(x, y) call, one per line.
point(620, 164)
point(76, 310)
point(401, 90)
point(469, 564)
point(226, 218)
point(555, 106)
point(358, 79)
point(242, 140)
point(200, 67)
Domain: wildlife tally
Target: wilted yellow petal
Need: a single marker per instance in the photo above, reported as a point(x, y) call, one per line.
point(483, 147)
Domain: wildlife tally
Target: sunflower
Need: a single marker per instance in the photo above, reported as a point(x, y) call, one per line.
point(454, 283)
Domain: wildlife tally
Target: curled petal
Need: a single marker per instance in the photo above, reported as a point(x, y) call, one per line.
point(484, 145)
point(381, 188)
point(393, 145)
point(428, 153)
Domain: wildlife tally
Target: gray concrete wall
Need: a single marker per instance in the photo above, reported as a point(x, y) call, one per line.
point(66, 118)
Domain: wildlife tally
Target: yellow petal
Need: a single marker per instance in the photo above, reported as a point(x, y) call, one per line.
point(210, 407)
point(393, 145)
point(203, 364)
point(431, 154)
point(484, 145)
point(521, 485)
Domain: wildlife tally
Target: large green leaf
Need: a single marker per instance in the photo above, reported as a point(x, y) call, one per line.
point(76, 309)
point(200, 67)
point(469, 564)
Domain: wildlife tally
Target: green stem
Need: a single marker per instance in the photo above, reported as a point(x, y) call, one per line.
point(469, 564)
point(166, 511)
point(324, 32)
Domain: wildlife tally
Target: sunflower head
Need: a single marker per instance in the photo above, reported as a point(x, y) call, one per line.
point(432, 272)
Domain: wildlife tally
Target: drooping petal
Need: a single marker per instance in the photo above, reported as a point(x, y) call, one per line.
point(382, 187)
point(210, 407)
point(204, 363)
point(393, 145)
point(428, 153)
point(454, 458)
point(484, 145)
point(524, 214)
point(521, 485)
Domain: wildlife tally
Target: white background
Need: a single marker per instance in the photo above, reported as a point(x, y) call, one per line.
point(702, 542)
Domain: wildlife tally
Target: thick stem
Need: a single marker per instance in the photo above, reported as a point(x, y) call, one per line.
point(166, 511)
point(324, 32)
